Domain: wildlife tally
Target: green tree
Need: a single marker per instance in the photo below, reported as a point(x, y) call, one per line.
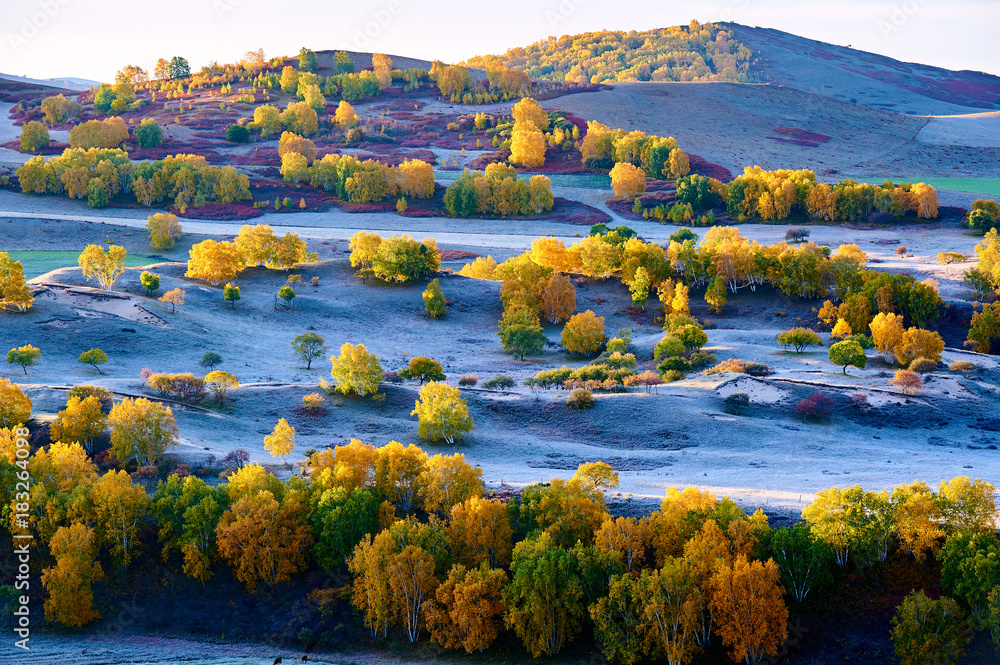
point(356, 370)
point(95, 358)
point(434, 300)
point(26, 356)
point(926, 631)
point(287, 294)
point(309, 346)
point(442, 413)
point(799, 339)
point(148, 134)
point(210, 360)
point(715, 295)
point(237, 134)
point(179, 68)
point(149, 281)
point(544, 599)
point(848, 353)
point(341, 518)
point(971, 569)
point(423, 369)
point(231, 294)
point(307, 60)
point(522, 340)
point(618, 618)
point(803, 559)
point(97, 194)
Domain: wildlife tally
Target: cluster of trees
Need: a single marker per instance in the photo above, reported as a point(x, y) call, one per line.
point(656, 157)
point(697, 571)
point(984, 215)
point(14, 291)
point(108, 133)
point(218, 262)
point(698, 52)
point(502, 83)
point(297, 117)
point(58, 109)
point(775, 195)
point(354, 180)
point(396, 259)
point(99, 174)
point(498, 191)
point(34, 136)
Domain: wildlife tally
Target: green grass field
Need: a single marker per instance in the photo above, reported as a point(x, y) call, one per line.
point(984, 186)
point(40, 262)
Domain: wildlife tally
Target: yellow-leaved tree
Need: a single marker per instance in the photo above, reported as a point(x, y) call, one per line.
point(81, 421)
point(356, 370)
point(558, 298)
point(118, 507)
point(14, 291)
point(449, 480)
point(480, 532)
point(584, 333)
point(627, 180)
point(746, 602)
point(887, 333)
point(163, 229)
point(281, 441)
point(527, 145)
point(265, 541)
point(528, 110)
point(214, 262)
point(15, 406)
point(442, 413)
point(104, 266)
point(467, 610)
point(141, 430)
point(69, 582)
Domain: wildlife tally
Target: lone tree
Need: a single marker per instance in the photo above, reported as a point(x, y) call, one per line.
point(442, 413)
point(847, 353)
point(210, 360)
point(908, 382)
point(94, 358)
point(221, 383)
point(799, 339)
point(173, 298)
point(287, 294)
point(356, 370)
point(149, 281)
point(281, 441)
point(434, 300)
point(26, 356)
point(104, 266)
point(231, 294)
point(163, 229)
point(308, 347)
point(423, 369)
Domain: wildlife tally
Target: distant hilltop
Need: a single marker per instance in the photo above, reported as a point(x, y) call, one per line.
point(68, 83)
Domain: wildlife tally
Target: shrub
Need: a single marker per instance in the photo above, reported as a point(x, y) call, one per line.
point(393, 377)
point(700, 359)
point(692, 336)
point(468, 380)
point(863, 340)
point(740, 366)
point(909, 382)
point(500, 382)
point(580, 399)
point(962, 366)
point(148, 134)
point(736, 401)
point(675, 364)
point(923, 365)
point(859, 400)
point(237, 134)
point(185, 387)
point(901, 250)
point(815, 406)
point(616, 345)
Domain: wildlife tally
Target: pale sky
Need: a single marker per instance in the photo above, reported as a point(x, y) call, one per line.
point(94, 38)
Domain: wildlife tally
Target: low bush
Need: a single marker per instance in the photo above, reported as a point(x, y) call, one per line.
point(184, 387)
point(737, 401)
point(500, 382)
point(922, 365)
point(468, 380)
point(580, 399)
point(816, 406)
